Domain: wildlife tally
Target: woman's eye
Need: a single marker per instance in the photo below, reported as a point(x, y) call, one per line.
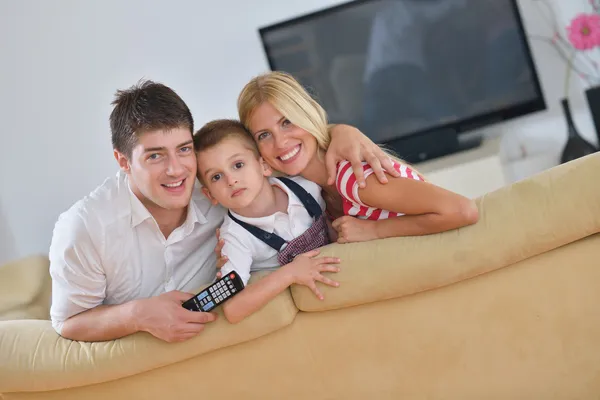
point(238, 165)
point(215, 177)
point(285, 122)
point(262, 135)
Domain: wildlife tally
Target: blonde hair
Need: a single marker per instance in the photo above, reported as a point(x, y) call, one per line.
point(288, 97)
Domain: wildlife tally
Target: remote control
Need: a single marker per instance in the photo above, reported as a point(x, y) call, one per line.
point(217, 293)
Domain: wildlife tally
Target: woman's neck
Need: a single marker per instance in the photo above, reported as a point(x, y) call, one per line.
point(316, 171)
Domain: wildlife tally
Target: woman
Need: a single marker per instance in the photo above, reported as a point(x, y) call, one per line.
point(292, 134)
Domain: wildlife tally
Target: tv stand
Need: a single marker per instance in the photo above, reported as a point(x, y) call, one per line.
point(430, 145)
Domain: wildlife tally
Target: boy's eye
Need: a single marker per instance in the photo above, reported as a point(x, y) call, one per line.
point(185, 149)
point(153, 156)
point(238, 165)
point(262, 135)
point(215, 177)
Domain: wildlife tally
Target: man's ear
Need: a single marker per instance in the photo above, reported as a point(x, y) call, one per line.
point(206, 192)
point(122, 161)
point(267, 171)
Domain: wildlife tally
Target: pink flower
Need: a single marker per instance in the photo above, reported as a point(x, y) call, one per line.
point(584, 31)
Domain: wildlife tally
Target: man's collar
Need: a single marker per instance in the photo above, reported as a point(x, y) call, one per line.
point(139, 213)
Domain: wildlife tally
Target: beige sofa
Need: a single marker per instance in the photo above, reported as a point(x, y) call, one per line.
point(508, 308)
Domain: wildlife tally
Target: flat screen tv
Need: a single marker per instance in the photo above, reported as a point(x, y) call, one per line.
point(415, 75)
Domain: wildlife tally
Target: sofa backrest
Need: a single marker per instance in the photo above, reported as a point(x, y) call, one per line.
point(530, 217)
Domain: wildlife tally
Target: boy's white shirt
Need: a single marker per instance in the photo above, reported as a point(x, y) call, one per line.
point(245, 252)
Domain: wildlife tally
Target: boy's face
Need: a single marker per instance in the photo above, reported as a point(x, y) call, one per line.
point(232, 174)
point(162, 169)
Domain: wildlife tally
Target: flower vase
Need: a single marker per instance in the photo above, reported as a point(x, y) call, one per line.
point(576, 145)
point(592, 96)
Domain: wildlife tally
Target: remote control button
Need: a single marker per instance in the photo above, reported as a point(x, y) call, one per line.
point(208, 306)
point(233, 290)
point(231, 276)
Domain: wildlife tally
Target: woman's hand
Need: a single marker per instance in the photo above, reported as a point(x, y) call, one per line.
point(348, 143)
point(221, 259)
point(351, 229)
point(306, 270)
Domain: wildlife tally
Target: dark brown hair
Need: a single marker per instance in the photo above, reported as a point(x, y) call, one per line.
point(144, 107)
point(218, 130)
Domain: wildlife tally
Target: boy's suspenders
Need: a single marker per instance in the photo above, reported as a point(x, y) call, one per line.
point(273, 240)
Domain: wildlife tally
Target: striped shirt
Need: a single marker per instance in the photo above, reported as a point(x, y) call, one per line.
point(347, 186)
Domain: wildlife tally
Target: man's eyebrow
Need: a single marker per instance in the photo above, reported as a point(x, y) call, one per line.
point(149, 149)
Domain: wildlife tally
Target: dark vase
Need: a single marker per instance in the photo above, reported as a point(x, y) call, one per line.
point(576, 146)
point(593, 99)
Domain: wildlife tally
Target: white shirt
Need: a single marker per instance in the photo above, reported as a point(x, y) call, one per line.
point(108, 249)
point(245, 252)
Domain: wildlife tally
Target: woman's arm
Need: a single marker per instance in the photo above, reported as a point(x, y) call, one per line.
point(428, 209)
point(348, 143)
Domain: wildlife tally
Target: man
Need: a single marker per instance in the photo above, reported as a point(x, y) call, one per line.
point(124, 258)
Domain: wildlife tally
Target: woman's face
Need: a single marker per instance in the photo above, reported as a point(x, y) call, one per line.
point(283, 145)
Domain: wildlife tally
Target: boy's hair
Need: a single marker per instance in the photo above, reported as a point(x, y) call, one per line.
point(216, 131)
point(146, 106)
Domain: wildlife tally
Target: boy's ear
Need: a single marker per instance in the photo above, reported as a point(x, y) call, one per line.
point(209, 196)
point(122, 161)
point(267, 171)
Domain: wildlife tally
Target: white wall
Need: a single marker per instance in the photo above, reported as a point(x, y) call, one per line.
point(61, 61)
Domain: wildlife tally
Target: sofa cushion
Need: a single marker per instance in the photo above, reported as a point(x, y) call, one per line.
point(549, 210)
point(25, 287)
point(62, 363)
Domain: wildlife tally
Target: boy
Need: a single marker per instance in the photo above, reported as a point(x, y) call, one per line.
point(270, 220)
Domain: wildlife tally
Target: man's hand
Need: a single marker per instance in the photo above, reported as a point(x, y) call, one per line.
point(348, 143)
point(351, 229)
point(306, 270)
point(164, 317)
point(221, 259)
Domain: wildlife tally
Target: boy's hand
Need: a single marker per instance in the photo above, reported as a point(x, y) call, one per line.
point(306, 270)
point(221, 259)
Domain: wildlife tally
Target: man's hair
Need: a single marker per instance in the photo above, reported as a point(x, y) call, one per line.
point(144, 107)
point(216, 131)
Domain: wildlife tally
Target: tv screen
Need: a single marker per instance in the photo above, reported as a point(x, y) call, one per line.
point(399, 67)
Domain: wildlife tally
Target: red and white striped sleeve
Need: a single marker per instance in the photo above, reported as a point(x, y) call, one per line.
point(347, 184)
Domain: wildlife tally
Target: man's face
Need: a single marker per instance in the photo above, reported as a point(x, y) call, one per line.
point(162, 169)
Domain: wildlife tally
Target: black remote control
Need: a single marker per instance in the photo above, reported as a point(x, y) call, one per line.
point(217, 293)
